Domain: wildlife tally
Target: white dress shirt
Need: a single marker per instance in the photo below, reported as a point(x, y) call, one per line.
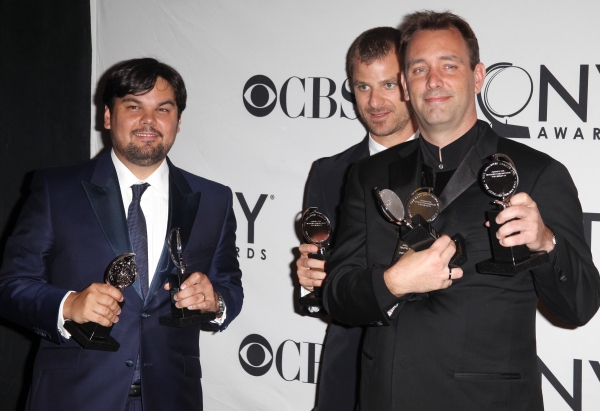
point(155, 206)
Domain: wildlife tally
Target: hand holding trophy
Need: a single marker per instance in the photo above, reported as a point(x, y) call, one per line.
point(423, 207)
point(316, 229)
point(500, 179)
point(181, 317)
point(120, 273)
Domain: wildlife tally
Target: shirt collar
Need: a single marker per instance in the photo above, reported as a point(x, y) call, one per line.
point(158, 180)
point(451, 155)
point(375, 147)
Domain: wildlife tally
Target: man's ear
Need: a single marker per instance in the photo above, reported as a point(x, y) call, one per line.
point(405, 95)
point(106, 118)
point(479, 74)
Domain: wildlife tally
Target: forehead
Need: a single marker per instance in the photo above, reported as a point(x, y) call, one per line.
point(436, 43)
point(383, 67)
point(161, 92)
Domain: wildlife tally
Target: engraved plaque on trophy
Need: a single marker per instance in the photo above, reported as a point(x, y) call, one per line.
point(422, 208)
point(500, 179)
point(181, 317)
point(120, 273)
point(316, 229)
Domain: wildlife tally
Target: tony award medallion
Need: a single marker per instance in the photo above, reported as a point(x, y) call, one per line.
point(422, 208)
point(316, 229)
point(499, 179)
point(120, 273)
point(181, 317)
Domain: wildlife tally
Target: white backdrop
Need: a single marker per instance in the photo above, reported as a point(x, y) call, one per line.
point(218, 46)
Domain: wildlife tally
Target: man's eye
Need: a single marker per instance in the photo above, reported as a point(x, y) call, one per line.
point(390, 85)
point(362, 87)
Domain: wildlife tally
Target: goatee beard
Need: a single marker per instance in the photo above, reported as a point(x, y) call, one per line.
point(147, 155)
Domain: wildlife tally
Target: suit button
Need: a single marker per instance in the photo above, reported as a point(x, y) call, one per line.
point(129, 363)
point(561, 276)
point(145, 315)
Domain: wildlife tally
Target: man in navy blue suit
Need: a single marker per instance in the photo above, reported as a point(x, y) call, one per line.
point(74, 224)
point(373, 67)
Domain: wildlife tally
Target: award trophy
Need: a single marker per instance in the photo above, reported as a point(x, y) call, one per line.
point(317, 230)
point(120, 273)
point(181, 317)
point(500, 179)
point(423, 208)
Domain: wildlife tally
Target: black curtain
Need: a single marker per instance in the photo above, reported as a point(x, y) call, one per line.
point(45, 81)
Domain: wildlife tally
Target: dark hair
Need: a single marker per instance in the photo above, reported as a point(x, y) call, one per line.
point(138, 76)
point(372, 45)
point(431, 20)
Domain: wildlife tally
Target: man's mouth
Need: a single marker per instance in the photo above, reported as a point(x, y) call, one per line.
point(149, 133)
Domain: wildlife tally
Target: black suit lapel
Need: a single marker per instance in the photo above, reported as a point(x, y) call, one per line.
point(183, 207)
point(361, 151)
point(468, 171)
point(405, 172)
point(104, 194)
point(465, 175)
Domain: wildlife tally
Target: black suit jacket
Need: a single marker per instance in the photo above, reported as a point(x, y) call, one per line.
point(471, 346)
point(71, 227)
point(339, 371)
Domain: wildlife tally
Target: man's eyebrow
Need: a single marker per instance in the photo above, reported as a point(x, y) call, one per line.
point(132, 99)
point(389, 80)
point(450, 57)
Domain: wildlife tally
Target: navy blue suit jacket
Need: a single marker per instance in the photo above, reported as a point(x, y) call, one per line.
point(339, 371)
point(71, 227)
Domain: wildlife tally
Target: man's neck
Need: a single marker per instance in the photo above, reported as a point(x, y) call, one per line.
point(141, 172)
point(442, 136)
point(398, 137)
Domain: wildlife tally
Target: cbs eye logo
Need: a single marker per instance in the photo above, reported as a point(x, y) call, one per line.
point(260, 95)
point(256, 354)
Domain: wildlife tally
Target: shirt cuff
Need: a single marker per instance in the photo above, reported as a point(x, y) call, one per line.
point(60, 323)
point(220, 321)
point(303, 292)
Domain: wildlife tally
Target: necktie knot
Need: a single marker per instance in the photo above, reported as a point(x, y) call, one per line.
point(138, 190)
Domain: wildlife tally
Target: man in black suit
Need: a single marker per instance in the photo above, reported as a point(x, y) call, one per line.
point(373, 67)
point(470, 344)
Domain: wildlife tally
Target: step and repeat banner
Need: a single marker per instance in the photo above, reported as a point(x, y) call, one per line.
point(268, 95)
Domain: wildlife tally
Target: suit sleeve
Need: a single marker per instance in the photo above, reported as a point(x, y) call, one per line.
point(569, 285)
point(224, 273)
point(353, 291)
point(27, 296)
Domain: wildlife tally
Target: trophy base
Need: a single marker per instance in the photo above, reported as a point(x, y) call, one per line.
point(509, 269)
point(78, 333)
point(421, 235)
point(460, 256)
point(311, 300)
point(188, 320)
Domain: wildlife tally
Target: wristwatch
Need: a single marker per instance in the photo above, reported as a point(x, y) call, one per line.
point(220, 304)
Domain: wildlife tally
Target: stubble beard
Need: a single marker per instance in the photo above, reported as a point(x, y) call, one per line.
point(390, 127)
point(149, 154)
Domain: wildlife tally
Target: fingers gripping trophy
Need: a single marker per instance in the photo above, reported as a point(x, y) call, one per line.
point(316, 229)
point(500, 179)
point(181, 317)
point(120, 273)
